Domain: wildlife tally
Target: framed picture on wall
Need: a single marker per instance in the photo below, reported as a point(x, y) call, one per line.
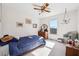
point(34, 25)
point(18, 24)
point(28, 21)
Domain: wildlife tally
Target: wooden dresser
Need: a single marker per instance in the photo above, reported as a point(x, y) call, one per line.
point(43, 34)
point(72, 51)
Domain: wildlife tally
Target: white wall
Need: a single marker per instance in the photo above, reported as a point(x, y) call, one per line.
point(0, 21)
point(13, 13)
point(72, 26)
point(78, 21)
point(62, 28)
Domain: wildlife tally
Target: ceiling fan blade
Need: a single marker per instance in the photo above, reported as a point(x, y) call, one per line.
point(37, 9)
point(45, 4)
point(36, 5)
point(47, 10)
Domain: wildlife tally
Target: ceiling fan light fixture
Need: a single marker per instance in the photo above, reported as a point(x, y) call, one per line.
point(43, 8)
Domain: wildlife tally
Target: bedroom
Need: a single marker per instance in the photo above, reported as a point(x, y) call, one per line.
point(20, 19)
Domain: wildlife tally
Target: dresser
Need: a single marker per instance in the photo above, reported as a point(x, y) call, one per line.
point(72, 51)
point(43, 34)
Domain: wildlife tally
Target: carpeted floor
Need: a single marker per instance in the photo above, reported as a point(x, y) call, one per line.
point(58, 50)
point(52, 48)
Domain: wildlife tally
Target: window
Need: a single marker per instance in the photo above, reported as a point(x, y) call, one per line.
point(53, 26)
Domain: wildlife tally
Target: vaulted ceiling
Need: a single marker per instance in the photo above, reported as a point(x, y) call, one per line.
point(27, 8)
point(57, 8)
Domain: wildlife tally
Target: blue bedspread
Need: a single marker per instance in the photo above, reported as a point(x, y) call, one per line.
point(25, 44)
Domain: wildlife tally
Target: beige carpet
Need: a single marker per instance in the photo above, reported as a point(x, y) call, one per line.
point(50, 44)
point(42, 51)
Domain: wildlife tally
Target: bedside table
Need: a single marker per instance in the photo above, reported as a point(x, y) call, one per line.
point(71, 50)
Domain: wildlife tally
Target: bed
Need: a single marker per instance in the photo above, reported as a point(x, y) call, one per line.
point(4, 50)
point(25, 44)
point(4, 47)
point(5, 43)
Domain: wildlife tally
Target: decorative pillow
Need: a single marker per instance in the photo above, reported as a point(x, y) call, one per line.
point(6, 38)
point(12, 40)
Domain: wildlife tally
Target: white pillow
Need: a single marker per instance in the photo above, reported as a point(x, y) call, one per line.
point(17, 37)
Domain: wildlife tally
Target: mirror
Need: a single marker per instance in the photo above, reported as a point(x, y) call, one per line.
point(44, 28)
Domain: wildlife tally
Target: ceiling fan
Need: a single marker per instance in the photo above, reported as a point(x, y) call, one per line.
point(43, 8)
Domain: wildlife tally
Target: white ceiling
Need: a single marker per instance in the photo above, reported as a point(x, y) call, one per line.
point(57, 8)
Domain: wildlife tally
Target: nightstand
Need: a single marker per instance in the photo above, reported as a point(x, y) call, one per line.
point(71, 50)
